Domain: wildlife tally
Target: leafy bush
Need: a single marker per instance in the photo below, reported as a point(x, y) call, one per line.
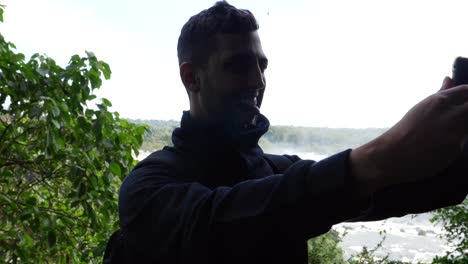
point(455, 222)
point(61, 162)
point(325, 249)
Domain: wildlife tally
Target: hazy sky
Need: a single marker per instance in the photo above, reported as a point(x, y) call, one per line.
point(336, 63)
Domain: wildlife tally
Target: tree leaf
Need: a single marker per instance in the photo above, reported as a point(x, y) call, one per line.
point(55, 111)
point(104, 67)
point(55, 123)
point(29, 241)
point(106, 102)
point(115, 169)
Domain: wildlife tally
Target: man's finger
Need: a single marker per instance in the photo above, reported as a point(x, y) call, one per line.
point(461, 118)
point(447, 83)
point(457, 94)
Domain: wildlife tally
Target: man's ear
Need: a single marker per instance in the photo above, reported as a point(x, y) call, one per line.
point(189, 77)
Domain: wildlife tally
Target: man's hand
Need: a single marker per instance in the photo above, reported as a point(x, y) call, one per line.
point(423, 143)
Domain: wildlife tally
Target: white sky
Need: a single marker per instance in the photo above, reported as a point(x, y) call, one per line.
point(335, 63)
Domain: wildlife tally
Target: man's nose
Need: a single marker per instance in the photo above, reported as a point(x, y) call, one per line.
point(256, 77)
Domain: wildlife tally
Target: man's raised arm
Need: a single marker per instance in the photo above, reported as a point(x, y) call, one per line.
point(419, 162)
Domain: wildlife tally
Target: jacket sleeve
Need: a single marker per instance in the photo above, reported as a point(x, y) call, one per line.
point(446, 189)
point(172, 217)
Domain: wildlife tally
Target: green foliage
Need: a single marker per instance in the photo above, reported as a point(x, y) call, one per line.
point(325, 249)
point(158, 135)
point(448, 259)
point(61, 162)
point(455, 222)
point(367, 256)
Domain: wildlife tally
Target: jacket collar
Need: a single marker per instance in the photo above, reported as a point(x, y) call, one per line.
point(217, 137)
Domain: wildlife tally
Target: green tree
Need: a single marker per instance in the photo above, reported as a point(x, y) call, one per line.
point(157, 137)
point(455, 222)
point(61, 162)
point(325, 249)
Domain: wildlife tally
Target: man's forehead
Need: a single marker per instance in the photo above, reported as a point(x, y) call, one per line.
point(233, 44)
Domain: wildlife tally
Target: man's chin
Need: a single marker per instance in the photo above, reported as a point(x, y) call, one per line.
point(247, 119)
point(240, 117)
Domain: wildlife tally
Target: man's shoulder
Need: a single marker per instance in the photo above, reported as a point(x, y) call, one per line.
point(166, 157)
point(141, 183)
point(160, 165)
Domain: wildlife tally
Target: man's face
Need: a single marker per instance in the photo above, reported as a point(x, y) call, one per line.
point(233, 82)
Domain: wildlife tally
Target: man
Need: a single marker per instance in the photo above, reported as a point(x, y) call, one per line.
point(215, 197)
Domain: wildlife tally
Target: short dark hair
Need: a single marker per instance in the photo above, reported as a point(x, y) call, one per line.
point(196, 37)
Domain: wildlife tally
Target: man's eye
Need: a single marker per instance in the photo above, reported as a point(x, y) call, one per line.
point(238, 66)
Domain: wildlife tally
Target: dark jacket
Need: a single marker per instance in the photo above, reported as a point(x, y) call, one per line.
point(215, 197)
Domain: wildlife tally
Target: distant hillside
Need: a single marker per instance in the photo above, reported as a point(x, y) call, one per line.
point(320, 140)
point(159, 133)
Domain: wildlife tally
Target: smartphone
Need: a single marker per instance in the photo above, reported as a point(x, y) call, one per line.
point(460, 71)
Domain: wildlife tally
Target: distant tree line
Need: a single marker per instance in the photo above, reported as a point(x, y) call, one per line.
point(321, 140)
point(158, 134)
